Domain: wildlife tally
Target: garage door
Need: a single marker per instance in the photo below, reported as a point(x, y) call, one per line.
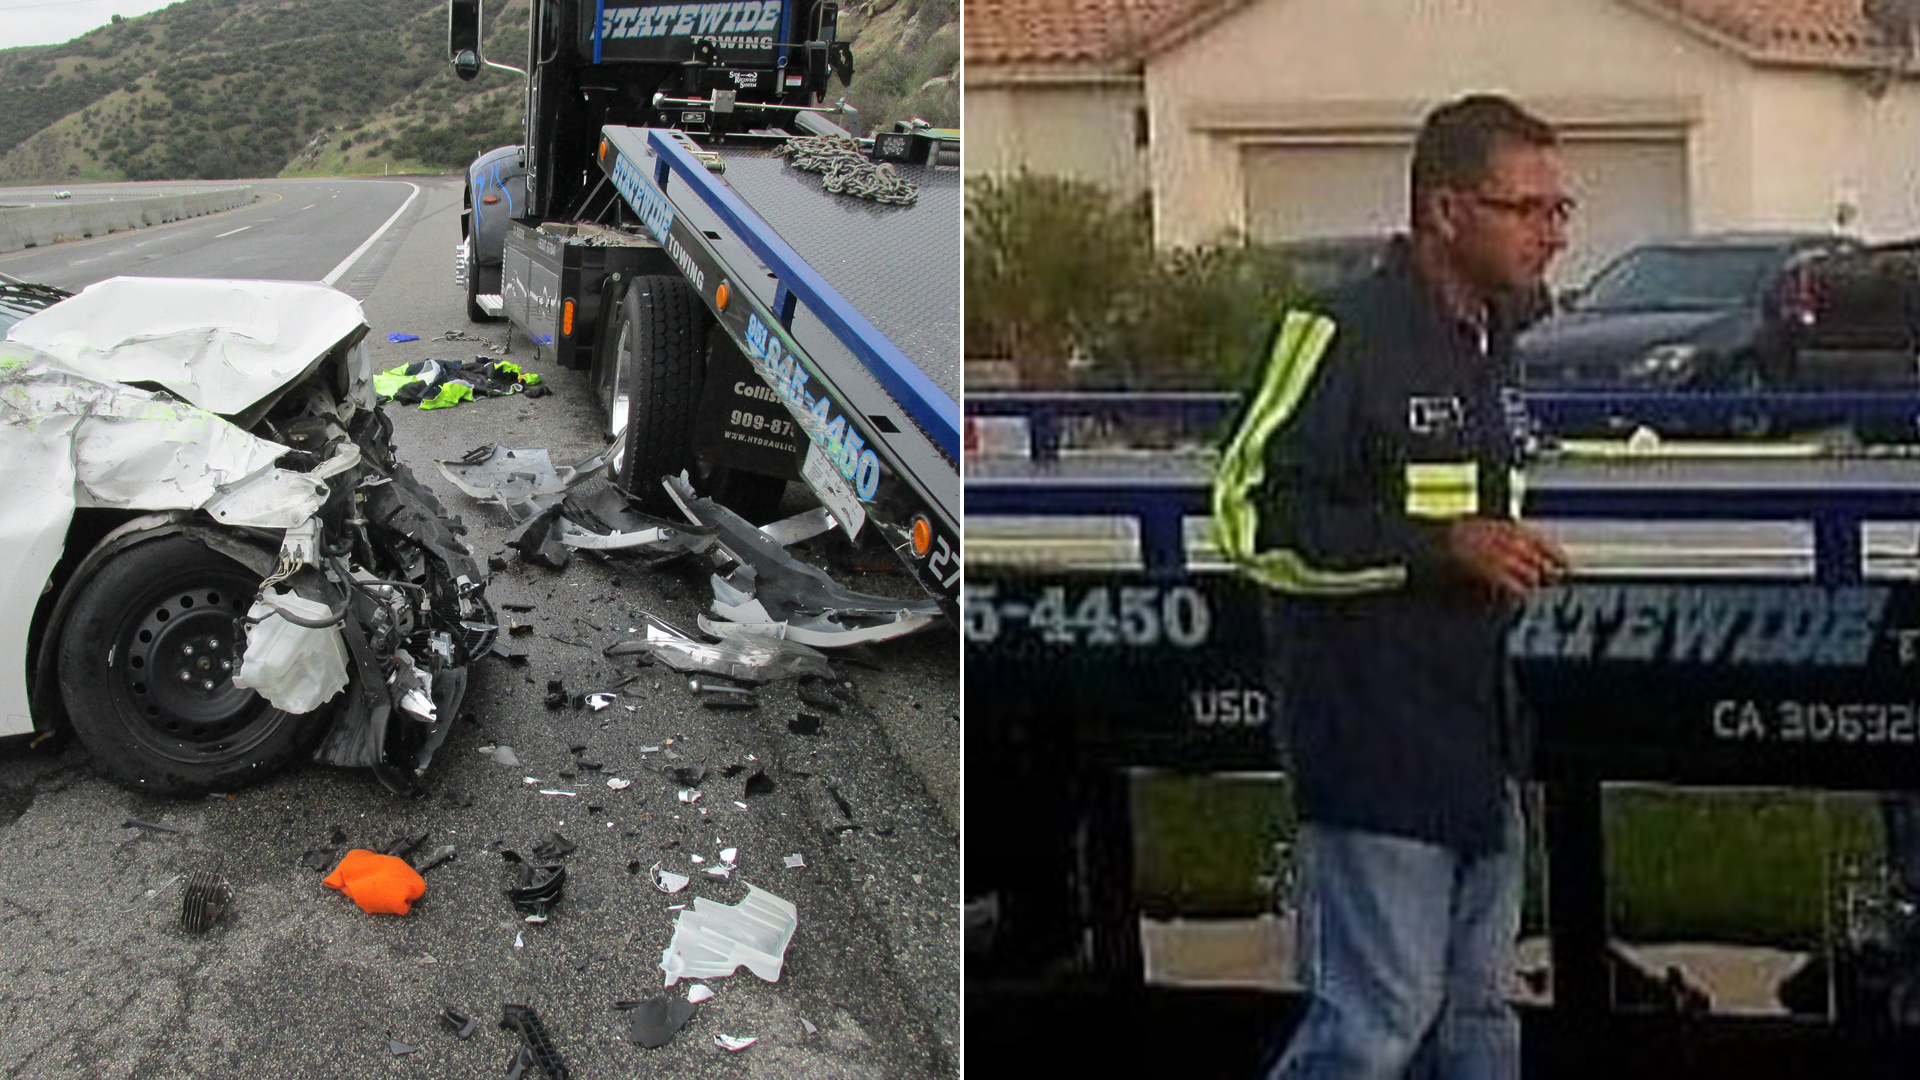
point(1630, 189)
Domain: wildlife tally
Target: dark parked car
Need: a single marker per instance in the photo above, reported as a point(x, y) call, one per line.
point(1740, 312)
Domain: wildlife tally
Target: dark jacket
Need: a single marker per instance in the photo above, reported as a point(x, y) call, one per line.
point(1379, 418)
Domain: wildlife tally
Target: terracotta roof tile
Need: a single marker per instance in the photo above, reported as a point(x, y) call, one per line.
point(1071, 31)
point(1117, 31)
point(1802, 30)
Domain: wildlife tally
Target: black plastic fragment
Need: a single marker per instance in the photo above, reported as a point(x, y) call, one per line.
point(731, 702)
point(517, 607)
point(554, 846)
point(318, 860)
point(759, 784)
point(339, 836)
point(459, 1023)
point(204, 899)
point(400, 1049)
point(556, 694)
point(520, 629)
point(524, 1022)
point(522, 1061)
point(136, 823)
point(732, 771)
point(435, 858)
point(690, 776)
point(804, 724)
point(657, 1020)
point(578, 748)
point(404, 845)
point(511, 655)
point(818, 701)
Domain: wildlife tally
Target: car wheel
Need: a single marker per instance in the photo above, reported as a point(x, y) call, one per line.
point(146, 672)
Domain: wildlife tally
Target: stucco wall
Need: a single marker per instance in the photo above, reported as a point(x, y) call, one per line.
point(1077, 130)
point(1343, 69)
point(1822, 140)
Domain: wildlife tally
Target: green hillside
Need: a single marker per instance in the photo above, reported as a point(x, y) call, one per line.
point(222, 89)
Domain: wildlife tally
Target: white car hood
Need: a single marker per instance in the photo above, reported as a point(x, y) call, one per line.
point(220, 345)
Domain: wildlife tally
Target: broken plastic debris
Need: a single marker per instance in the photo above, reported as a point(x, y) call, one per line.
point(503, 755)
point(618, 784)
point(795, 862)
point(667, 881)
point(459, 1023)
point(553, 791)
point(739, 804)
point(807, 1026)
point(728, 1042)
point(400, 1049)
point(698, 858)
point(523, 1021)
point(755, 660)
point(713, 940)
point(688, 795)
point(657, 1020)
point(728, 855)
point(295, 668)
point(512, 477)
point(600, 701)
point(397, 337)
point(205, 898)
point(435, 858)
point(720, 871)
point(519, 942)
point(136, 823)
point(698, 993)
point(529, 780)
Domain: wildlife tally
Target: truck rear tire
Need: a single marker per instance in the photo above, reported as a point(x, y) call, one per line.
point(661, 370)
point(474, 312)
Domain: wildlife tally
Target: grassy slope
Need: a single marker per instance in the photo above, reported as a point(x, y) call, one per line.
point(235, 88)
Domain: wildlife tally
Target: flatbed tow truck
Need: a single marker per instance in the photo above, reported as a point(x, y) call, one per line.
point(740, 323)
point(1745, 620)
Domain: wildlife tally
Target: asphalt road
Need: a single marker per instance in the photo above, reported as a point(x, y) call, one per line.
point(297, 982)
point(295, 230)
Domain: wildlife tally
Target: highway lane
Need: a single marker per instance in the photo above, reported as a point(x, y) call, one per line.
point(297, 230)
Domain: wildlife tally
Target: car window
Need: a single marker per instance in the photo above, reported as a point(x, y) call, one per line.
point(1681, 279)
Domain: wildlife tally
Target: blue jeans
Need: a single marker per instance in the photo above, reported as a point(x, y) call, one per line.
point(1404, 950)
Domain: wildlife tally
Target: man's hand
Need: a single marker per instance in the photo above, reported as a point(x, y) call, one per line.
point(1504, 554)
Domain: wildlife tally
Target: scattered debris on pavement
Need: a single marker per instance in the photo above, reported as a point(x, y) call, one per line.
point(542, 883)
point(459, 1023)
point(666, 880)
point(524, 1022)
point(656, 1021)
point(714, 940)
point(728, 1042)
point(205, 899)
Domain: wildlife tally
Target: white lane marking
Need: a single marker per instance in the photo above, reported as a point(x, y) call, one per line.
point(230, 232)
point(347, 263)
point(309, 206)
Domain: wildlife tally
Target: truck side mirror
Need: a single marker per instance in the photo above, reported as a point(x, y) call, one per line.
point(463, 36)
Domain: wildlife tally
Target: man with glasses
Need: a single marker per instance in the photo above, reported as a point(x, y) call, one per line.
point(1373, 486)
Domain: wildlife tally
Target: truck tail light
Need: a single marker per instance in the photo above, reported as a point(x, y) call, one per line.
point(566, 319)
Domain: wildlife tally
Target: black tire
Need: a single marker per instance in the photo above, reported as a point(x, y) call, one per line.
point(474, 312)
point(664, 363)
point(145, 606)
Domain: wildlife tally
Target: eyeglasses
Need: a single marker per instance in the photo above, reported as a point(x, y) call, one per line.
point(1535, 209)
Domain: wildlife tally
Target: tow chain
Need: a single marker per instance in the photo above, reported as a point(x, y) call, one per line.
point(846, 171)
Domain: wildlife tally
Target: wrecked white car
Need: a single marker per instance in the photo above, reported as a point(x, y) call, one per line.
point(211, 562)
